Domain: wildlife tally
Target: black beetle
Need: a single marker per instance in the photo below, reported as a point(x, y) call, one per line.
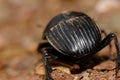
point(76, 37)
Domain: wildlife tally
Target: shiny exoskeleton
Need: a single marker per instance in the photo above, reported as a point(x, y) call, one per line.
point(76, 37)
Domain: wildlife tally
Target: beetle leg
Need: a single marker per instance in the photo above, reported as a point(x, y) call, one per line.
point(44, 47)
point(105, 34)
point(105, 42)
point(48, 68)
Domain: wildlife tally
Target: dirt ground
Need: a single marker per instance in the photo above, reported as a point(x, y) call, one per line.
point(100, 67)
point(21, 26)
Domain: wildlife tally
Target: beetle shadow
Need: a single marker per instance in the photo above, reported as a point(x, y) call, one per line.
point(89, 64)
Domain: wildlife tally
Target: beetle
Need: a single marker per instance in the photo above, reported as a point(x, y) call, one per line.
point(74, 36)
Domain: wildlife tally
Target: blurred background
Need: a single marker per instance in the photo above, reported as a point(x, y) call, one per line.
point(22, 23)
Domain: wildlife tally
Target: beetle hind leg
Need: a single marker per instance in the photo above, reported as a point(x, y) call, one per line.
point(105, 42)
point(105, 34)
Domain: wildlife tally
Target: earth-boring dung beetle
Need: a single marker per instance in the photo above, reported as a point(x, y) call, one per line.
point(74, 36)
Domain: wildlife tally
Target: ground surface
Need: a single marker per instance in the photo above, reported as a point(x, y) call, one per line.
point(101, 67)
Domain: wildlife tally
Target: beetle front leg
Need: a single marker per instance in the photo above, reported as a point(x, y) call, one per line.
point(105, 42)
point(47, 66)
point(44, 47)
